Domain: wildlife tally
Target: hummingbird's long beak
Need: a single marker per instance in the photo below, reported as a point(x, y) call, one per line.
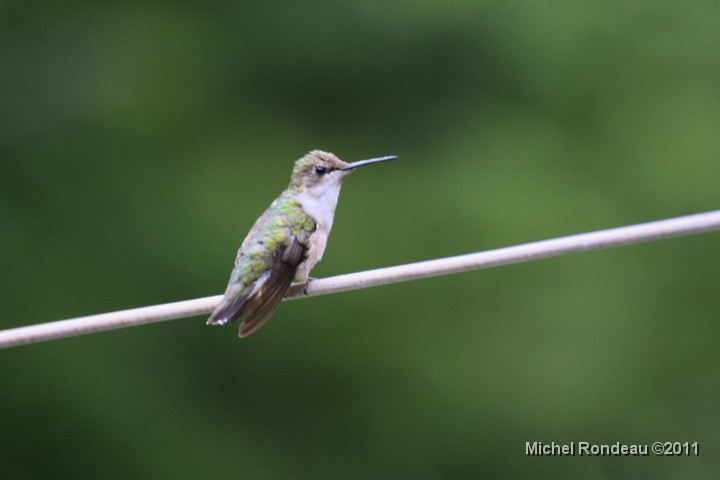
point(367, 162)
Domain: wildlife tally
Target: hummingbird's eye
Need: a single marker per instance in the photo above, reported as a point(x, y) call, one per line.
point(320, 170)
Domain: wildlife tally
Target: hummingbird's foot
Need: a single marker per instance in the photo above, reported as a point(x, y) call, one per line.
point(307, 282)
point(295, 288)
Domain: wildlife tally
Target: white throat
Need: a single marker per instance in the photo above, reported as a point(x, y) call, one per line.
point(320, 200)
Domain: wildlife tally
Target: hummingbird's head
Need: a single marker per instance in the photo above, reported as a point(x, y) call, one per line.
point(318, 171)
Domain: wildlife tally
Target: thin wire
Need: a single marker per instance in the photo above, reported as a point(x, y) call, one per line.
point(615, 237)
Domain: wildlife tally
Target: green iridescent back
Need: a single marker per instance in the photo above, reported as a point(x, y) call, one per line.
point(283, 218)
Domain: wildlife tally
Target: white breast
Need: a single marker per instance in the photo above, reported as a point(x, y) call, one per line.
point(319, 202)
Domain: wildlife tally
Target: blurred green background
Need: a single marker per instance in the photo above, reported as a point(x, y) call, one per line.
point(139, 141)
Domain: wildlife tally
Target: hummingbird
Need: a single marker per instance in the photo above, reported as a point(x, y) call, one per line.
point(286, 242)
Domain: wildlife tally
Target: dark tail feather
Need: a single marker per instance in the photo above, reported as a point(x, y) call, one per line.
point(228, 310)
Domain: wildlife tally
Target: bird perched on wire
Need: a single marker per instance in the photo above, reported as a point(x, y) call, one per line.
point(286, 241)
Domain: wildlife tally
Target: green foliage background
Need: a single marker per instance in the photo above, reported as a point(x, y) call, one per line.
point(140, 140)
